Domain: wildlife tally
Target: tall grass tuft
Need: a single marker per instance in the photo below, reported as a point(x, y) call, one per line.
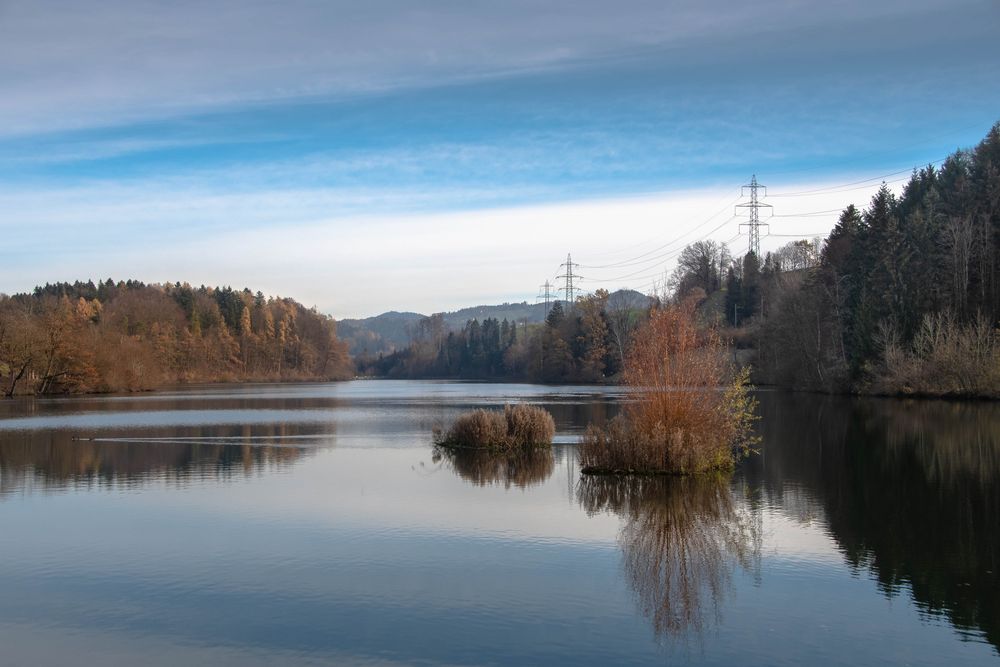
point(516, 427)
point(688, 410)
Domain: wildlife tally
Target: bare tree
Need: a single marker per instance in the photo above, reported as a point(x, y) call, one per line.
point(798, 255)
point(623, 319)
point(702, 264)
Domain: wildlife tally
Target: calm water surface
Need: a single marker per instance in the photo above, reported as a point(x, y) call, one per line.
point(315, 524)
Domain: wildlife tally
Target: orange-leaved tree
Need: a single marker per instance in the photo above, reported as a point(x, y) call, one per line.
point(688, 411)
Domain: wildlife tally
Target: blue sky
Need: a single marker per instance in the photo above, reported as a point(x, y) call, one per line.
point(433, 155)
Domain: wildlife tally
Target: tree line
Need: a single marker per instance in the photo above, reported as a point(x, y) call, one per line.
point(129, 336)
point(581, 342)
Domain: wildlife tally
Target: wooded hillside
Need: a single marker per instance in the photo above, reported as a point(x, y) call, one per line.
point(129, 336)
point(905, 296)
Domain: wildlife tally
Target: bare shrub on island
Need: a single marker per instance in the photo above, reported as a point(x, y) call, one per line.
point(516, 427)
point(689, 411)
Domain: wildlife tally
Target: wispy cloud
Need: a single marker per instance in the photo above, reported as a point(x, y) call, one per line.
point(74, 64)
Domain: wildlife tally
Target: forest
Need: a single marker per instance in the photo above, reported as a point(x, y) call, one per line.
point(903, 297)
point(130, 336)
point(584, 342)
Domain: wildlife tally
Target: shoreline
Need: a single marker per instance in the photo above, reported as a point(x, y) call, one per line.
point(950, 397)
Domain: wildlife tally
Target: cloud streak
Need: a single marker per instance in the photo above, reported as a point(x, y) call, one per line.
point(125, 60)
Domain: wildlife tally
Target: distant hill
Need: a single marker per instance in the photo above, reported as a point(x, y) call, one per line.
point(382, 333)
point(519, 312)
point(391, 331)
point(629, 298)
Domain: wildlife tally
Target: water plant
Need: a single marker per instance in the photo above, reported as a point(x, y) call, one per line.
point(516, 427)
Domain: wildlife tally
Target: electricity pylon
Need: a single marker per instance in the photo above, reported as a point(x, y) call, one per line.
point(570, 289)
point(754, 205)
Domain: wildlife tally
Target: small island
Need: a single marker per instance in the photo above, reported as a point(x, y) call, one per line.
point(517, 427)
point(690, 409)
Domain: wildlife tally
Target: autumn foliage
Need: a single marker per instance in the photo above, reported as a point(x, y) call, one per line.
point(128, 336)
point(517, 427)
point(688, 411)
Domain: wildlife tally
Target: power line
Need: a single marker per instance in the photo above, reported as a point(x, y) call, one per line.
point(808, 214)
point(638, 258)
point(668, 243)
point(659, 258)
point(635, 273)
point(864, 183)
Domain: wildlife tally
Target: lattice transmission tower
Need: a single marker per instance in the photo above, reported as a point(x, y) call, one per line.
point(570, 290)
point(546, 292)
point(754, 205)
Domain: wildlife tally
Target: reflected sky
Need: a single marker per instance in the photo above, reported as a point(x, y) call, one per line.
point(161, 544)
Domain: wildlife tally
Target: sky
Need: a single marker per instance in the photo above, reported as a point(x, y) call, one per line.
point(426, 156)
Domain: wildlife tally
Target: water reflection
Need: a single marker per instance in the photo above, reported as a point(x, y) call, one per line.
point(485, 468)
point(50, 460)
point(681, 541)
point(910, 491)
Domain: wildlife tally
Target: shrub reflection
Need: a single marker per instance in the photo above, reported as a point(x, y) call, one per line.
point(484, 467)
point(681, 540)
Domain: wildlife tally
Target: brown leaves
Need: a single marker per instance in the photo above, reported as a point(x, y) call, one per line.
point(687, 411)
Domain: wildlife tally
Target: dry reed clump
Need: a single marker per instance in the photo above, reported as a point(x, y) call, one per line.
point(689, 412)
point(946, 358)
point(517, 427)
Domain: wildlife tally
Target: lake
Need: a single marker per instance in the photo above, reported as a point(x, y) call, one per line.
point(306, 524)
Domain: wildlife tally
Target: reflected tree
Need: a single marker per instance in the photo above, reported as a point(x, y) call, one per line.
point(910, 491)
point(682, 539)
point(53, 460)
